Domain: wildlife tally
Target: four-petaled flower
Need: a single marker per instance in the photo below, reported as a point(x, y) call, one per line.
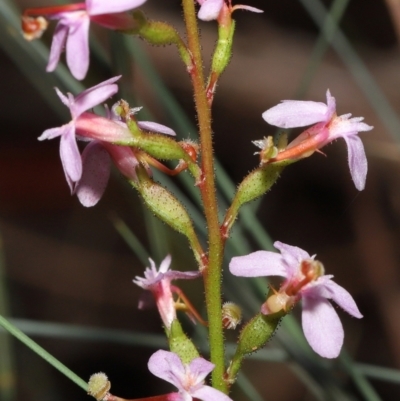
point(73, 30)
point(328, 127)
point(305, 280)
point(212, 9)
point(159, 283)
point(188, 379)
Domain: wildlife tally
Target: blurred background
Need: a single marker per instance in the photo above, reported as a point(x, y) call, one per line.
point(66, 271)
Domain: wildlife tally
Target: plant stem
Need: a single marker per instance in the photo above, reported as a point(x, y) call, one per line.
point(212, 273)
point(42, 352)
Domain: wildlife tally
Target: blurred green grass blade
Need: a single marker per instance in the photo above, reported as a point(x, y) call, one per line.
point(356, 66)
point(7, 362)
point(35, 347)
point(359, 379)
point(131, 239)
point(247, 387)
point(379, 372)
point(321, 45)
point(83, 333)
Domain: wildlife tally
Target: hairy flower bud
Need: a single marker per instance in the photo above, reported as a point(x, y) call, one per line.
point(99, 386)
point(231, 315)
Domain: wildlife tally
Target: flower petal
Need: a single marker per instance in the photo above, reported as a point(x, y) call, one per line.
point(53, 132)
point(200, 368)
point(258, 264)
point(69, 153)
point(78, 46)
point(322, 326)
point(95, 95)
point(292, 256)
point(296, 113)
point(248, 8)
point(96, 7)
point(357, 160)
point(210, 10)
point(207, 393)
point(167, 366)
point(155, 127)
point(57, 45)
point(96, 172)
point(343, 299)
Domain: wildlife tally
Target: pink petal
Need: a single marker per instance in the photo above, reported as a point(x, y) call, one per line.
point(78, 46)
point(155, 127)
point(296, 113)
point(258, 264)
point(94, 96)
point(291, 257)
point(96, 7)
point(322, 327)
point(331, 103)
point(357, 160)
point(207, 393)
point(164, 265)
point(167, 366)
point(200, 368)
point(57, 45)
point(53, 132)
point(343, 299)
point(124, 159)
point(96, 172)
point(66, 100)
point(178, 275)
point(210, 10)
point(70, 155)
point(248, 8)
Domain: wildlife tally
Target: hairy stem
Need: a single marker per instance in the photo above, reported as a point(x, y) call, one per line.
point(212, 273)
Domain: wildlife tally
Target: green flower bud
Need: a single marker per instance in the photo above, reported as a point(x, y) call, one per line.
point(254, 336)
point(181, 344)
point(166, 207)
point(160, 33)
point(257, 183)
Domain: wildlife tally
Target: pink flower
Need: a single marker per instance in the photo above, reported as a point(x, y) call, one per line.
point(188, 379)
point(328, 127)
point(159, 283)
point(305, 280)
point(69, 152)
point(211, 9)
point(72, 30)
point(87, 175)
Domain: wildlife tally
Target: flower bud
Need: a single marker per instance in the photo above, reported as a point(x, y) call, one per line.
point(257, 183)
point(167, 208)
point(254, 335)
point(159, 33)
point(231, 315)
point(99, 386)
point(181, 344)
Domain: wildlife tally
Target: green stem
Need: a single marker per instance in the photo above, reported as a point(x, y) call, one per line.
point(42, 352)
point(212, 274)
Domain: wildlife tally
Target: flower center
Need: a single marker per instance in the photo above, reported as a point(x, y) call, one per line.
point(290, 292)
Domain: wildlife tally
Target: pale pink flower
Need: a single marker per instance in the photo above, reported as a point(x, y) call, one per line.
point(72, 30)
point(304, 280)
point(69, 152)
point(188, 379)
point(211, 9)
point(159, 283)
point(328, 127)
